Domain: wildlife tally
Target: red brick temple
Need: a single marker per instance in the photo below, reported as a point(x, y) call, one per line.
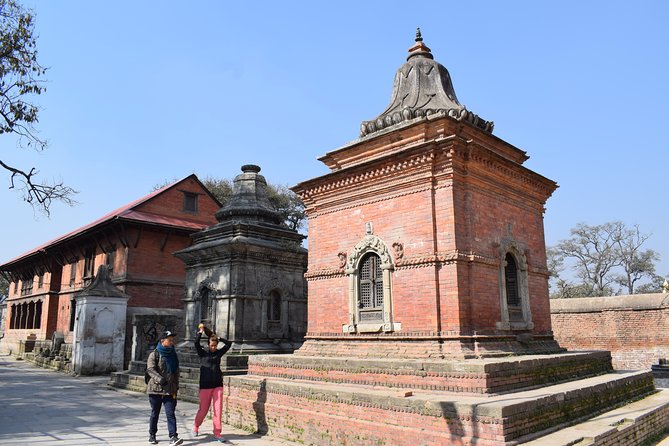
point(428, 306)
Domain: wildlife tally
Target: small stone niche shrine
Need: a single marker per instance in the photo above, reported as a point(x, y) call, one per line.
point(428, 318)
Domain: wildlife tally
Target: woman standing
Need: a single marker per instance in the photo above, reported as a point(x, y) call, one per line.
point(211, 379)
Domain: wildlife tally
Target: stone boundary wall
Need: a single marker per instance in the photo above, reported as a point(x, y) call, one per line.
point(634, 328)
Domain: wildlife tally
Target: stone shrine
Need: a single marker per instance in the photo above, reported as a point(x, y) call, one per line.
point(245, 275)
point(429, 319)
point(99, 328)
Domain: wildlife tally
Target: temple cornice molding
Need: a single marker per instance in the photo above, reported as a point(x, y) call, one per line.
point(430, 166)
point(421, 260)
point(478, 160)
point(353, 179)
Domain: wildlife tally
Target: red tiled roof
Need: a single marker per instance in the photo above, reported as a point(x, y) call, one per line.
point(126, 212)
point(163, 220)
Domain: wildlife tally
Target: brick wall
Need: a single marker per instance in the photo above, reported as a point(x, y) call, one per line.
point(155, 277)
point(634, 328)
point(171, 203)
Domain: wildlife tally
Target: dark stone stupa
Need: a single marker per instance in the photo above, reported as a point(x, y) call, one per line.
point(245, 275)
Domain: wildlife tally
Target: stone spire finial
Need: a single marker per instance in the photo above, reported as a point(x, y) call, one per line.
point(665, 286)
point(419, 37)
point(250, 168)
point(249, 200)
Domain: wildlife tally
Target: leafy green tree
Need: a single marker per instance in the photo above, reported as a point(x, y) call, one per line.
point(20, 80)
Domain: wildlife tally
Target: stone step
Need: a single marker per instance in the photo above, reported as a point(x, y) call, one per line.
point(632, 424)
point(485, 376)
point(61, 364)
point(228, 363)
point(444, 417)
point(188, 380)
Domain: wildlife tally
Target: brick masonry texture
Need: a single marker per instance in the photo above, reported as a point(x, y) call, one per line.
point(449, 203)
point(635, 328)
point(467, 376)
point(355, 416)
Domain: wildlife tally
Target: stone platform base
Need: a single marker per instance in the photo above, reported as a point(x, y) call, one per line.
point(428, 346)
point(329, 414)
point(133, 378)
point(478, 376)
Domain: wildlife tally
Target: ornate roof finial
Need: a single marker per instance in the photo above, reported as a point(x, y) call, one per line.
point(419, 48)
point(422, 88)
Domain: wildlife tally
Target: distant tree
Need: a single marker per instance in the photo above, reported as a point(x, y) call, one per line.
point(286, 202)
point(220, 188)
point(594, 251)
point(636, 264)
point(653, 286)
point(20, 74)
point(560, 288)
point(289, 205)
point(4, 285)
point(603, 256)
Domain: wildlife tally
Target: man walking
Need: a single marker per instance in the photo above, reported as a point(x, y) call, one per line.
point(163, 368)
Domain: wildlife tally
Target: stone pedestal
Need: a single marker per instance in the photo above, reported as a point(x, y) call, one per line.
point(661, 369)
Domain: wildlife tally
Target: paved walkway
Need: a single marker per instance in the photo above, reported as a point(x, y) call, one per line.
point(40, 407)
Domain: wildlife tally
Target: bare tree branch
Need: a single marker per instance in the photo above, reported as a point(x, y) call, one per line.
point(20, 79)
point(42, 194)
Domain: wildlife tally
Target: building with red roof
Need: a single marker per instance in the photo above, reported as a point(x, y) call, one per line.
point(136, 242)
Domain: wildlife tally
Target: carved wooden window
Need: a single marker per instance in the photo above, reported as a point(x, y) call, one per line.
point(30, 321)
point(274, 306)
point(24, 315)
point(89, 266)
point(370, 295)
point(27, 286)
point(111, 259)
point(40, 280)
point(73, 273)
point(512, 292)
point(13, 317)
point(190, 202)
point(73, 313)
point(38, 314)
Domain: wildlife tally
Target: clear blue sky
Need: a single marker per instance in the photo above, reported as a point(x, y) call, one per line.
point(144, 92)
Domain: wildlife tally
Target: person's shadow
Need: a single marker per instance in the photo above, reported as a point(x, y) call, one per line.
point(259, 408)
